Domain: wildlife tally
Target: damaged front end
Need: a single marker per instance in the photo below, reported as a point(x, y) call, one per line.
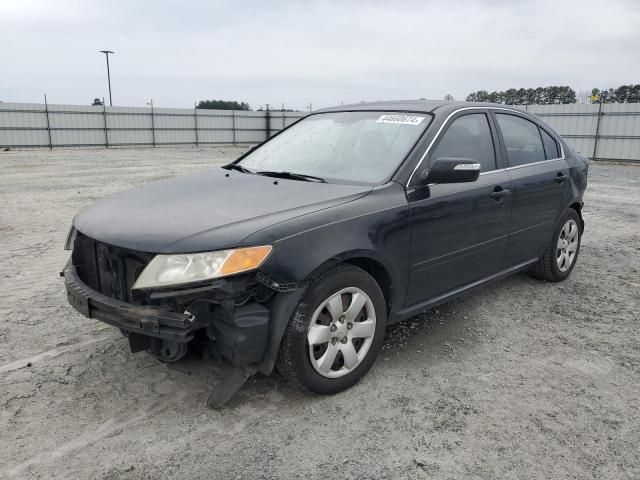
point(230, 314)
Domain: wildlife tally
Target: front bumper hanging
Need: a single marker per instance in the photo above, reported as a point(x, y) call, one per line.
point(142, 319)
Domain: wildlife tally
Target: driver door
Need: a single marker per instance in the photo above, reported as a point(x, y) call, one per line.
point(459, 231)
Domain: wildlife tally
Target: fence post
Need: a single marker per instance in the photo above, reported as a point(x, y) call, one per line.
point(153, 126)
point(46, 111)
point(267, 123)
point(195, 120)
point(106, 129)
point(595, 142)
point(233, 125)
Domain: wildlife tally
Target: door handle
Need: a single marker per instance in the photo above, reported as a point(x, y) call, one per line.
point(561, 177)
point(499, 193)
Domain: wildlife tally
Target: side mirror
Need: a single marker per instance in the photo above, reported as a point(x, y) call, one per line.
point(450, 170)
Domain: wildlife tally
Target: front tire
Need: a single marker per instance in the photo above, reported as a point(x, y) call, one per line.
point(561, 255)
point(335, 333)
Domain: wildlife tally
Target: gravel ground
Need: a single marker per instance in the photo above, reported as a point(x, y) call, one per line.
point(523, 379)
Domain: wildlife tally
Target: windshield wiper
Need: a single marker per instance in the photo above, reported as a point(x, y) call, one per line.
point(238, 167)
point(292, 176)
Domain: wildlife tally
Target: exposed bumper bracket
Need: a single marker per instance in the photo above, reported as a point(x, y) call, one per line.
point(146, 320)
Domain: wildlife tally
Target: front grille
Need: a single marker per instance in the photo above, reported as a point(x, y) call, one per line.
point(109, 270)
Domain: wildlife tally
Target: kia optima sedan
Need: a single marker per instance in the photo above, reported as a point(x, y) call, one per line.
point(297, 255)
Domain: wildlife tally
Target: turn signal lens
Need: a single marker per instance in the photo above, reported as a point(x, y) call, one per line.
point(244, 259)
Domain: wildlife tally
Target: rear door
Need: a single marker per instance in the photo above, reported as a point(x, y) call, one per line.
point(539, 178)
point(459, 231)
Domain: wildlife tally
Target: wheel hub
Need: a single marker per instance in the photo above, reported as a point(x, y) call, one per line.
point(341, 330)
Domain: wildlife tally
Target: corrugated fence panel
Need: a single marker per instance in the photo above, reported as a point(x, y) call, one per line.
point(251, 121)
point(215, 119)
point(616, 126)
point(23, 119)
point(245, 136)
point(569, 120)
point(618, 148)
point(25, 125)
point(71, 138)
point(217, 136)
point(583, 146)
point(620, 119)
point(137, 136)
point(24, 138)
point(168, 137)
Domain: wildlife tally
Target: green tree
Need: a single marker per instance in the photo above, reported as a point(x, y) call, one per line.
point(223, 105)
point(628, 93)
point(622, 94)
point(479, 96)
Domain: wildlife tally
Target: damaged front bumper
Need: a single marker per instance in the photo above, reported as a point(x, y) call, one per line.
point(146, 320)
point(239, 333)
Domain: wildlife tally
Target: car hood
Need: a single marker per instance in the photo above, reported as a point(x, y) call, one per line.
point(207, 211)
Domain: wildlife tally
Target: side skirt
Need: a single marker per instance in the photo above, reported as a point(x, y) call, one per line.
point(416, 308)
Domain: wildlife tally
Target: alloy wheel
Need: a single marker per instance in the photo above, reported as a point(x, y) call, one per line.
point(341, 332)
point(567, 245)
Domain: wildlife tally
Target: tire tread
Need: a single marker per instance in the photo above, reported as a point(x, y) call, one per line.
point(545, 268)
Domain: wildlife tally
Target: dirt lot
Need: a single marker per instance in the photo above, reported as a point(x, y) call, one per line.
point(522, 380)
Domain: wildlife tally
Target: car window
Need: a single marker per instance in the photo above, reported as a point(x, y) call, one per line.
point(468, 136)
point(550, 145)
point(522, 140)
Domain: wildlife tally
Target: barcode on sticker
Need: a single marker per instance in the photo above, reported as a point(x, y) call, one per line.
point(401, 119)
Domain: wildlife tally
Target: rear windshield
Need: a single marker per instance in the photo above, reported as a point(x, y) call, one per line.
point(352, 147)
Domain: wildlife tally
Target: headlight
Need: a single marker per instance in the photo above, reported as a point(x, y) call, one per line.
point(169, 270)
point(71, 238)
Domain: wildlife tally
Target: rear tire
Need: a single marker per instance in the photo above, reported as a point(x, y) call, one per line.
point(335, 333)
point(561, 255)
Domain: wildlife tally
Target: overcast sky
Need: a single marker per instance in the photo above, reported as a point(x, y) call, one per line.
point(301, 52)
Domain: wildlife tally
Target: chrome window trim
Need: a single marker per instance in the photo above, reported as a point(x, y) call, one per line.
point(504, 109)
point(498, 170)
point(515, 167)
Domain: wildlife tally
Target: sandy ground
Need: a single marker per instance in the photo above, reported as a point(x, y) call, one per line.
point(523, 379)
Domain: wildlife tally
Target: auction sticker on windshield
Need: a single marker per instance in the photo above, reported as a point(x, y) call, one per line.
point(401, 119)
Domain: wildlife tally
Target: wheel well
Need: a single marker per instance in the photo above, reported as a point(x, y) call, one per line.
point(379, 273)
point(578, 208)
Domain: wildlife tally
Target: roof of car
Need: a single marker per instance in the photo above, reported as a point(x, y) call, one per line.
point(426, 106)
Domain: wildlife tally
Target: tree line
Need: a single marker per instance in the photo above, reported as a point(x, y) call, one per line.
point(521, 96)
point(556, 95)
point(223, 105)
point(622, 94)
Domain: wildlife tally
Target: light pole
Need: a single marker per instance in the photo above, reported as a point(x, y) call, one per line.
point(106, 53)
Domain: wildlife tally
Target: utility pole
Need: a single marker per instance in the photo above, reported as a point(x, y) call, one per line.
point(106, 53)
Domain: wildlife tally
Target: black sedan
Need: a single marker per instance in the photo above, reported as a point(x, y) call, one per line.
point(300, 253)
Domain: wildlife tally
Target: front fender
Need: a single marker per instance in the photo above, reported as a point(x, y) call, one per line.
point(375, 227)
point(281, 307)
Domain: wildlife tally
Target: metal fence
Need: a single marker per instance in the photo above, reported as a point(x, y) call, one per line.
point(42, 125)
point(601, 132)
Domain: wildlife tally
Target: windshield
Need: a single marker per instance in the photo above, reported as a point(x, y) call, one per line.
point(353, 147)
